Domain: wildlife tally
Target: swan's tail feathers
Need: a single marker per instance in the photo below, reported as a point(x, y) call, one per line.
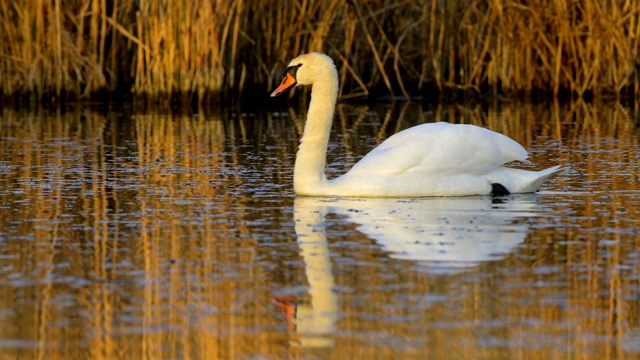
point(523, 181)
point(545, 175)
point(540, 177)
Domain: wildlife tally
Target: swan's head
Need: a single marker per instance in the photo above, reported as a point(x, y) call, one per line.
point(306, 69)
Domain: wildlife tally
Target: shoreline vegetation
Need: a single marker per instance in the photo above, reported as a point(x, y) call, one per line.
point(208, 51)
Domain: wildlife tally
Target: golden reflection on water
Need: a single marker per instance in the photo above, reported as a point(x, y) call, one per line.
point(169, 236)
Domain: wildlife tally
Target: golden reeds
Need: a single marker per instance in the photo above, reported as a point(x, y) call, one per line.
point(166, 48)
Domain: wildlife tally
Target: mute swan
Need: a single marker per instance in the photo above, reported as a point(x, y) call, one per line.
point(436, 159)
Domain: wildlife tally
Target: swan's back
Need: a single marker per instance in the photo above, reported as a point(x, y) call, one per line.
point(441, 149)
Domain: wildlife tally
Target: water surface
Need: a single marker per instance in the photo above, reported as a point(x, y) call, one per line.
point(156, 235)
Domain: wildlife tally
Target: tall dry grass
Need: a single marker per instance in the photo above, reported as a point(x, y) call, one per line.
point(403, 48)
point(51, 47)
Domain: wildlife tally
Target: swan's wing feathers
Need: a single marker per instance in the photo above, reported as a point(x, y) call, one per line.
point(441, 148)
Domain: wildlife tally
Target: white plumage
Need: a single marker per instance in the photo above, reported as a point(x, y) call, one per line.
point(437, 159)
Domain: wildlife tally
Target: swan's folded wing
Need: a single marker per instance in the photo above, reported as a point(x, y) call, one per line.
point(441, 148)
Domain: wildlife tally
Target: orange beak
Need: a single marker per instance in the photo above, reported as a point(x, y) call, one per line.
point(287, 83)
point(289, 306)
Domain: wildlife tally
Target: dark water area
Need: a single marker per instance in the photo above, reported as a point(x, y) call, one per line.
point(150, 235)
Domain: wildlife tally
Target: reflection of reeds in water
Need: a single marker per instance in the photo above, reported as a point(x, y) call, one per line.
point(128, 240)
point(41, 251)
point(94, 213)
point(161, 48)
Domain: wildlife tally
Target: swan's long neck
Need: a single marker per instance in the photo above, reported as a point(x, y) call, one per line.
point(308, 174)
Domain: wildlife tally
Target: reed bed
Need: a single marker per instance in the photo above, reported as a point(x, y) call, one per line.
point(221, 49)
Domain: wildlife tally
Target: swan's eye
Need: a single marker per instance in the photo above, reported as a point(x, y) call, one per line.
point(291, 70)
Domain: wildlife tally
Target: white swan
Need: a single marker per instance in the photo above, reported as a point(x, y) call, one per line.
point(437, 159)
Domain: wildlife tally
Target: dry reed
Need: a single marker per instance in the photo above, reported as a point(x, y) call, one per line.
point(160, 49)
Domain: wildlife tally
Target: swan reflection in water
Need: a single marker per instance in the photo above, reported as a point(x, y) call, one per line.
point(439, 235)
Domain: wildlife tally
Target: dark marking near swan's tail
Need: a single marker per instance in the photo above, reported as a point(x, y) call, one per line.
point(499, 190)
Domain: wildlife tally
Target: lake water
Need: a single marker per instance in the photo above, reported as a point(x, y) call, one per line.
point(151, 235)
